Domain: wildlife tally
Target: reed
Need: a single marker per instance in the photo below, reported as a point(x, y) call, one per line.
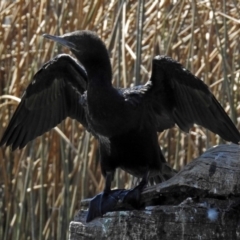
point(41, 185)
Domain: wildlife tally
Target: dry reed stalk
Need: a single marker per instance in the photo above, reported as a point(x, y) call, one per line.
point(41, 185)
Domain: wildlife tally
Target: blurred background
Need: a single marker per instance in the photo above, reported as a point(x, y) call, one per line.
point(41, 186)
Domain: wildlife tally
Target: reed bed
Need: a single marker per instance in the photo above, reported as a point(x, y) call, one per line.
point(41, 185)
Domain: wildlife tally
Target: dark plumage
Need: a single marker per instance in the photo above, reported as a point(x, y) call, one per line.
point(125, 121)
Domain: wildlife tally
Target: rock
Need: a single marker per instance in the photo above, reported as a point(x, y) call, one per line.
point(200, 202)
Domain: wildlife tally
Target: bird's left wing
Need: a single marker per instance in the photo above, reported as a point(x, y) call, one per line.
point(53, 94)
point(175, 96)
point(187, 100)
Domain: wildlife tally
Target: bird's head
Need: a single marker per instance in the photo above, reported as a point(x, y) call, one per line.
point(89, 49)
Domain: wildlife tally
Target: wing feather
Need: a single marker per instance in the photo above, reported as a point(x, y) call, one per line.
point(186, 100)
point(52, 96)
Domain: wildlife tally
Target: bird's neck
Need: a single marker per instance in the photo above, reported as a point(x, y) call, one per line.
point(96, 61)
point(99, 73)
point(99, 78)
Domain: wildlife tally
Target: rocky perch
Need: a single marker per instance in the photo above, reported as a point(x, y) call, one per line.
point(200, 202)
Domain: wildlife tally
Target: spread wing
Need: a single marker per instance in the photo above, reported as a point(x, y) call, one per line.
point(53, 95)
point(175, 96)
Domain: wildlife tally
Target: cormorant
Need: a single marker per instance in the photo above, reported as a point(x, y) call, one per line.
point(125, 121)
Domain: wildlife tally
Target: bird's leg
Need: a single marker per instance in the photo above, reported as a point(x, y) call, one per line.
point(108, 181)
point(103, 202)
point(108, 199)
point(132, 197)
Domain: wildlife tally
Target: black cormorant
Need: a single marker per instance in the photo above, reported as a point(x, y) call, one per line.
point(125, 121)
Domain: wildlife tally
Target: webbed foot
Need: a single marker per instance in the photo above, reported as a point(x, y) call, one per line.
point(113, 200)
point(132, 197)
point(103, 203)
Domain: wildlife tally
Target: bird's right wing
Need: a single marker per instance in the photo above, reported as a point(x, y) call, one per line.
point(179, 96)
point(175, 96)
point(53, 95)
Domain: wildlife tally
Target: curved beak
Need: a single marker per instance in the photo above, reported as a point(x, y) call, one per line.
point(60, 40)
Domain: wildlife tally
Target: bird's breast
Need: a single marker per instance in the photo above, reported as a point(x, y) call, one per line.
point(108, 114)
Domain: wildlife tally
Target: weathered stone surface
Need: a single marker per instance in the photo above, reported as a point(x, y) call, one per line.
point(215, 173)
point(200, 202)
point(186, 221)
